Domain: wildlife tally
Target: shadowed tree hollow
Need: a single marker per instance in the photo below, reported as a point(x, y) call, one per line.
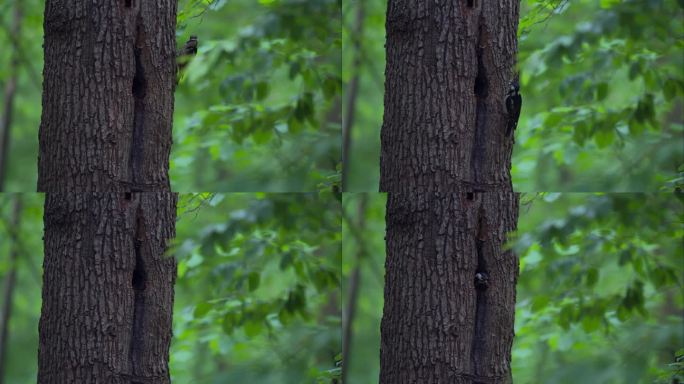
point(445, 163)
point(105, 137)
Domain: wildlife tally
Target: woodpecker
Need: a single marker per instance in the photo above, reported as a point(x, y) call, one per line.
point(190, 47)
point(481, 280)
point(183, 55)
point(513, 105)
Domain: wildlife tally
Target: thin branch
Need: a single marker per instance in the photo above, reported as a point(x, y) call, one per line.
point(194, 203)
point(555, 8)
point(10, 91)
point(16, 44)
point(348, 121)
point(8, 289)
point(354, 282)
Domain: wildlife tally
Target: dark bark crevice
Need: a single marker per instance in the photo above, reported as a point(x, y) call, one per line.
point(139, 90)
point(479, 342)
point(479, 155)
point(138, 282)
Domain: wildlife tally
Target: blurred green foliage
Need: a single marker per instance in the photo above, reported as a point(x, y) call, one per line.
point(257, 109)
point(600, 296)
point(601, 288)
point(602, 90)
point(257, 297)
point(364, 362)
point(22, 352)
point(22, 173)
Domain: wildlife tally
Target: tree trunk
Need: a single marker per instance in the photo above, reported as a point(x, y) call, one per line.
point(9, 283)
point(107, 288)
point(10, 92)
point(438, 325)
point(448, 70)
point(445, 161)
point(105, 138)
point(354, 283)
point(352, 91)
point(109, 76)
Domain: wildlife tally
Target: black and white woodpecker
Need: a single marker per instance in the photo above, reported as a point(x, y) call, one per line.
point(513, 105)
point(184, 54)
point(481, 281)
point(189, 48)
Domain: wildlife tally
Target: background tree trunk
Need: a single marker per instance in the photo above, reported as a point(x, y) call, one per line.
point(353, 285)
point(107, 288)
point(10, 282)
point(445, 162)
point(10, 92)
point(352, 91)
point(108, 85)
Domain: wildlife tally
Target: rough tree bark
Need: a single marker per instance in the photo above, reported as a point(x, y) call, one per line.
point(109, 76)
point(438, 326)
point(449, 67)
point(105, 139)
point(445, 162)
point(107, 288)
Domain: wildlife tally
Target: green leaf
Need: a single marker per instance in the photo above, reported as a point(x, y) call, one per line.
point(625, 257)
point(591, 323)
point(262, 89)
point(201, 309)
point(253, 281)
point(566, 316)
point(330, 87)
point(262, 136)
point(604, 137)
point(670, 89)
point(601, 91)
point(553, 118)
point(634, 70)
point(540, 302)
point(286, 260)
point(592, 277)
point(230, 321)
point(320, 280)
point(635, 127)
point(295, 68)
point(253, 328)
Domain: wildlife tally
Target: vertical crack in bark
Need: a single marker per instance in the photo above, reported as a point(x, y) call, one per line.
point(138, 283)
point(431, 40)
point(139, 89)
point(481, 90)
point(479, 347)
